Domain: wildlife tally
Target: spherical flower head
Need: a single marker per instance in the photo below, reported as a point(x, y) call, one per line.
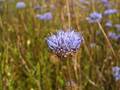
point(110, 11)
point(94, 17)
point(108, 24)
point(45, 16)
point(113, 36)
point(116, 72)
point(104, 1)
point(117, 26)
point(20, 5)
point(65, 43)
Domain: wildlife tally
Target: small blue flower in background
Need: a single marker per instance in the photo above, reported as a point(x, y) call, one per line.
point(108, 24)
point(113, 35)
point(65, 43)
point(94, 17)
point(20, 5)
point(37, 7)
point(45, 16)
point(106, 3)
point(117, 26)
point(116, 72)
point(110, 11)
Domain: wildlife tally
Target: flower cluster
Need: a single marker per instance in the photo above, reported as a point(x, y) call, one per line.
point(65, 43)
point(94, 17)
point(20, 5)
point(114, 36)
point(45, 16)
point(106, 3)
point(116, 72)
point(109, 23)
point(117, 26)
point(110, 11)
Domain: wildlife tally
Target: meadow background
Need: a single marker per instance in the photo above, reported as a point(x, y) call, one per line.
point(26, 62)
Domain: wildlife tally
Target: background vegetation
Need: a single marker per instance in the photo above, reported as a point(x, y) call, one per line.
point(26, 63)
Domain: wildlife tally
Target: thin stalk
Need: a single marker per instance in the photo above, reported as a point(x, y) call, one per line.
point(109, 43)
point(1, 75)
point(74, 59)
point(68, 13)
point(69, 73)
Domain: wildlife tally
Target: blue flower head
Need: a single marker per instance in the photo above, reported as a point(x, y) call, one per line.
point(109, 23)
point(20, 5)
point(113, 36)
point(94, 17)
point(116, 72)
point(117, 26)
point(45, 16)
point(65, 43)
point(106, 3)
point(110, 11)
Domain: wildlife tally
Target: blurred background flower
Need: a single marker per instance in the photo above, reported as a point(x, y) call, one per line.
point(45, 16)
point(110, 11)
point(106, 3)
point(109, 23)
point(113, 35)
point(117, 26)
point(94, 17)
point(116, 72)
point(20, 5)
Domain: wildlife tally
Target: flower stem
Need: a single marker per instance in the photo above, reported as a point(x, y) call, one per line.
point(108, 41)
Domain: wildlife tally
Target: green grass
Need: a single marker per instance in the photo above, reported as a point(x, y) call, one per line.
point(26, 63)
